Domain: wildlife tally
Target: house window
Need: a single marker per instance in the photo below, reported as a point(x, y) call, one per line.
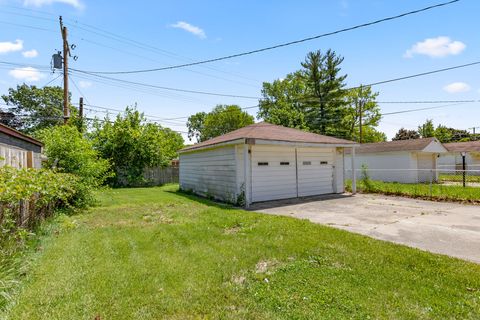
point(263, 163)
point(323, 162)
point(307, 163)
point(284, 163)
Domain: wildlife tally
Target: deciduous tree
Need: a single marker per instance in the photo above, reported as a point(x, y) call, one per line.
point(34, 108)
point(222, 119)
point(404, 134)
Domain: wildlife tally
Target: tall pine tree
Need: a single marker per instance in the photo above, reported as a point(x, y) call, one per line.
point(324, 97)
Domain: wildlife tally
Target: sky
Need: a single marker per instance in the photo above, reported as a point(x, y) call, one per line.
point(128, 35)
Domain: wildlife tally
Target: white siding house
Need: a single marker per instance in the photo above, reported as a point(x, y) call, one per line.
point(405, 161)
point(264, 162)
point(451, 161)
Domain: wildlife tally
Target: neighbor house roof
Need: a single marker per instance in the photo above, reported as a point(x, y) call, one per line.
point(270, 132)
point(399, 145)
point(17, 134)
point(463, 146)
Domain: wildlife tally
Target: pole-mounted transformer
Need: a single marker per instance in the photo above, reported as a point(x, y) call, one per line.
point(57, 60)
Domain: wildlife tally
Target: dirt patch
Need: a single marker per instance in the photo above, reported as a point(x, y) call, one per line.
point(266, 266)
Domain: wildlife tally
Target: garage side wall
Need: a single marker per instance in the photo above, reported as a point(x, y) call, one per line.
point(210, 173)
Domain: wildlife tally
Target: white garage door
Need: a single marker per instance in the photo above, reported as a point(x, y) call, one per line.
point(315, 171)
point(273, 173)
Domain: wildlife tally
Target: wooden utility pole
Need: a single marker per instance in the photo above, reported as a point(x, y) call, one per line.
point(360, 120)
point(66, 53)
point(80, 108)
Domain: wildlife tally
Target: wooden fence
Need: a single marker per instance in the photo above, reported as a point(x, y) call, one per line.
point(160, 176)
point(26, 213)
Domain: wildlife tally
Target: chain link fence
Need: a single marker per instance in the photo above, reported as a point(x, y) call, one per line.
point(435, 184)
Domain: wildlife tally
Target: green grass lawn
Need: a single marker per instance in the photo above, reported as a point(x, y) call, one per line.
point(420, 190)
point(459, 178)
point(156, 253)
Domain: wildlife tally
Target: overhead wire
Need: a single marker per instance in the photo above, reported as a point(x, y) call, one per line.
point(281, 45)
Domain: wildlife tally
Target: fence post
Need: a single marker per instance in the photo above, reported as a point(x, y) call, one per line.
point(431, 182)
point(463, 168)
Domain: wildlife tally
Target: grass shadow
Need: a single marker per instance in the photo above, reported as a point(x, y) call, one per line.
point(206, 201)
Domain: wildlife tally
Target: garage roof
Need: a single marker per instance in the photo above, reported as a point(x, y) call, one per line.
point(470, 146)
point(271, 132)
point(17, 134)
point(399, 145)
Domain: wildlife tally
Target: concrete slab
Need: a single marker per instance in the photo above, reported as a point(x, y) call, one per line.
point(440, 227)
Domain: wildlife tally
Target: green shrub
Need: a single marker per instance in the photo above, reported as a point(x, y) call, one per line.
point(132, 145)
point(28, 196)
point(68, 151)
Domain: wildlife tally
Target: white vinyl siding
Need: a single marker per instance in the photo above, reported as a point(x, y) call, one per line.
point(210, 173)
point(425, 164)
point(273, 181)
point(272, 172)
point(449, 162)
point(315, 171)
point(385, 166)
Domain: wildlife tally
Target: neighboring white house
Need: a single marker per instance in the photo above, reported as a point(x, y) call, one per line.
point(19, 150)
point(406, 161)
point(453, 159)
point(264, 162)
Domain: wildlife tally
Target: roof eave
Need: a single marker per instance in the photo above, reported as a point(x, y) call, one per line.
point(266, 142)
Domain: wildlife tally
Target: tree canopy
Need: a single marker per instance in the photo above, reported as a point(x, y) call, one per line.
point(404, 134)
point(314, 99)
point(69, 152)
point(222, 119)
point(31, 108)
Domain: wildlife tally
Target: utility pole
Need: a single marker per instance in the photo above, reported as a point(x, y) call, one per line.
point(66, 53)
point(80, 108)
point(360, 120)
point(474, 133)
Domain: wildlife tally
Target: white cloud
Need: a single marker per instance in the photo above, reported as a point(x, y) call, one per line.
point(8, 46)
point(30, 53)
point(436, 47)
point(28, 74)
point(84, 84)
point(190, 28)
point(77, 4)
point(457, 87)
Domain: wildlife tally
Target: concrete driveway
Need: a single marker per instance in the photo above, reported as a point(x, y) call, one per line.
point(441, 227)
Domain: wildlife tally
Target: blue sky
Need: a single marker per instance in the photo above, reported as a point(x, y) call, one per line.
point(173, 32)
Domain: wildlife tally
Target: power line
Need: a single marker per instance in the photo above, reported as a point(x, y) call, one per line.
point(167, 88)
point(52, 80)
point(259, 98)
point(420, 74)
point(26, 26)
point(419, 109)
point(282, 44)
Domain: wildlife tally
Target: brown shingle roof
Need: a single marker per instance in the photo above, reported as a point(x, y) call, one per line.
point(391, 146)
point(17, 134)
point(463, 146)
point(267, 131)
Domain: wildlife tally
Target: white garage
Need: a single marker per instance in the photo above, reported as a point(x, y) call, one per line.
point(405, 161)
point(264, 162)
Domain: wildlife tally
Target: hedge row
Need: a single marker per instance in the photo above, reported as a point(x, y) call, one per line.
point(27, 196)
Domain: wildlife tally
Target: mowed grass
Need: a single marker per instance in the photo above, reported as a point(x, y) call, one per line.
point(459, 178)
point(159, 254)
point(420, 190)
